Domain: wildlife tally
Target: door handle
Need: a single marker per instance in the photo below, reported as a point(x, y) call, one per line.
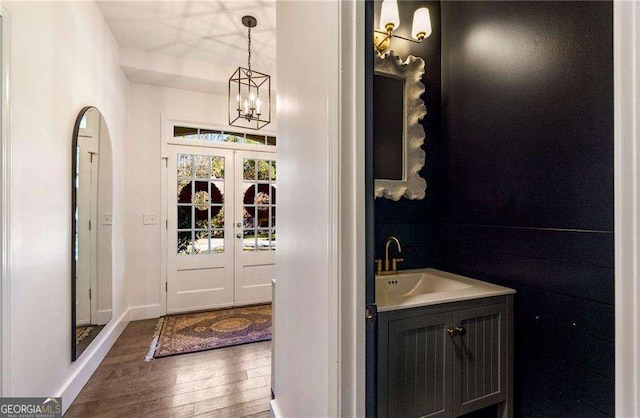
point(239, 235)
point(452, 332)
point(239, 225)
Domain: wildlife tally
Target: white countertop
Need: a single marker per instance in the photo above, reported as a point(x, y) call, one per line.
point(475, 289)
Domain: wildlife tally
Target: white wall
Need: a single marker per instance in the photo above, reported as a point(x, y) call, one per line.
point(63, 58)
point(148, 104)
point(307, 364)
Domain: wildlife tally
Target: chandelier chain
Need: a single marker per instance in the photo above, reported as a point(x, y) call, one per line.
point(249, 49)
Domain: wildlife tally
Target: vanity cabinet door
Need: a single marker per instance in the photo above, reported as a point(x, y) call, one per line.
point(480, 358)
point(419, 367)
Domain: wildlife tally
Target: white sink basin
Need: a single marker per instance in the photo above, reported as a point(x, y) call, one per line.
point(422, 287)
point(411, 284)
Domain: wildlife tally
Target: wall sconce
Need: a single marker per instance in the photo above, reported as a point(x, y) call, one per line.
point(390, 21)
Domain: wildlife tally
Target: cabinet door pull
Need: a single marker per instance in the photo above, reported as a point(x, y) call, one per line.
point(460, 330)
point(452, 331)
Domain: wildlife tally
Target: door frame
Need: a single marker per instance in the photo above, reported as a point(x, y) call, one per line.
point(166, 133)
point(5, 200)
point(626, 79)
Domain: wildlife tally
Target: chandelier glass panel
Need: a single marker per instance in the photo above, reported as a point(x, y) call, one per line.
point(249, 92)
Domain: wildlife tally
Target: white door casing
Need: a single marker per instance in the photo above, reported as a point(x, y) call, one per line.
point(5, 194)
point(626, 58)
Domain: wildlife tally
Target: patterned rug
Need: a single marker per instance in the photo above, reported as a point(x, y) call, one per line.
point(189, 333)
point(82, 333)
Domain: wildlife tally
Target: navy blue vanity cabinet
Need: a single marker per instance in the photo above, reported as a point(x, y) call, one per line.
point(446, 360)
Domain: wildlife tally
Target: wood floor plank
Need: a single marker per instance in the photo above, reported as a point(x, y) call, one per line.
point(255, 408)
point(150, 408)
point(218, 391)
point(263, 414)
point(196, 385)
point(259, 371)
point(231, 400)
point(105, 405)
point(226, 382)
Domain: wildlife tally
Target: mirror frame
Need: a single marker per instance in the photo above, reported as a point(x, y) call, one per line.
point(74, 226)
point(74, 202)
point(412, 185)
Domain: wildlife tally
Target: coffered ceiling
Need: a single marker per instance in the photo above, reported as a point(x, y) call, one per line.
point(191, 44)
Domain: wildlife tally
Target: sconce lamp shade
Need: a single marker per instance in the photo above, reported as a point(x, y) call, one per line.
point(389, 16)
point(421, 24)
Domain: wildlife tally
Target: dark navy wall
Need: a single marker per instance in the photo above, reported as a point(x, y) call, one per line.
point(416, 222)
point(527, 195)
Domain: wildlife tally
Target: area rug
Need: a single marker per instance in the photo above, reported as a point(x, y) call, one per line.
point(190, 333)
point(82, 333)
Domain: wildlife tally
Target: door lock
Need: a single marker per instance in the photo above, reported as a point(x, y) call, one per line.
point(239, 224)
point(238, 235)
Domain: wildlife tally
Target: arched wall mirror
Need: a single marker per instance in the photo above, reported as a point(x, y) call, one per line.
point(92, 219)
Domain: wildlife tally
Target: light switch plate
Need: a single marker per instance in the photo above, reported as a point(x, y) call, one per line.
point(149, 219)
point(107, 219)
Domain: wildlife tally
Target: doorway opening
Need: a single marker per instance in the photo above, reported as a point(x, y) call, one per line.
point(221, 221)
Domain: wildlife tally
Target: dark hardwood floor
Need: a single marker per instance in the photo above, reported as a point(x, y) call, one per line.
point(226, 382)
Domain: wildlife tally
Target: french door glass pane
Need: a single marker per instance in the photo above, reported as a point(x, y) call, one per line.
point(202, 164)
point(200, 197)
point(217, 216)
point(184, 217)
point(259, 198)
point(185, 245)
point(217, 192)
point(263, 170)
point(217, 168)
point(249, 240)
point(185, 166)
point(249, 169)
point(263, 241)
point(273, 170)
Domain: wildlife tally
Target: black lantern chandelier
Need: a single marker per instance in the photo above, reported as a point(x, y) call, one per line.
point(249, 92)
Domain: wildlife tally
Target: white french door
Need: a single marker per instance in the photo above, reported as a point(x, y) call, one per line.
point(255, 214)
point(221, 227)
point(200, 237)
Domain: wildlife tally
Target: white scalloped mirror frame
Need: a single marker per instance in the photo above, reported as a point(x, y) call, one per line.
point(412, 186)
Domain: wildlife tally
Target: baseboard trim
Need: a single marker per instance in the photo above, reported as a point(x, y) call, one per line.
point(90, 360)
point(103, 317)
point(274, 410)
point(138, 313)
